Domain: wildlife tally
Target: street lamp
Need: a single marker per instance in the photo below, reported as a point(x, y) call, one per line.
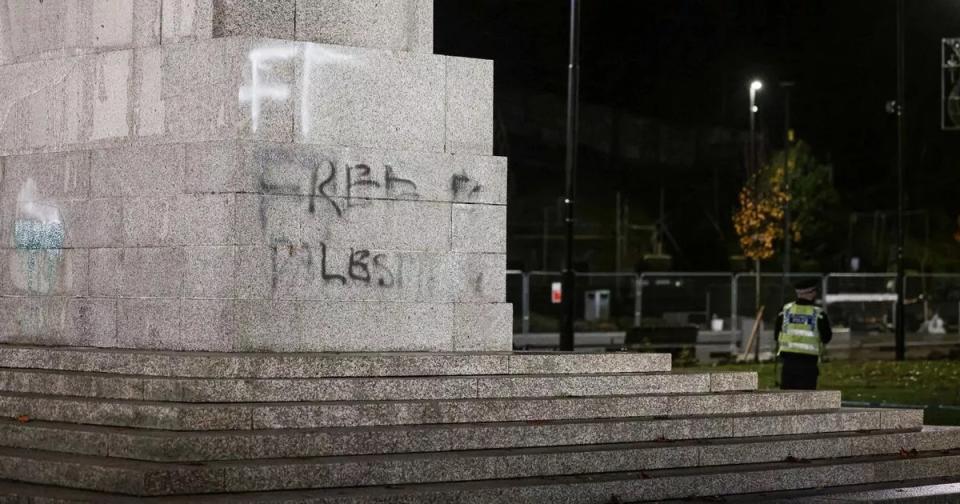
point(786, 86)
point(573, 113)
point(900, 346)
point(755, 86)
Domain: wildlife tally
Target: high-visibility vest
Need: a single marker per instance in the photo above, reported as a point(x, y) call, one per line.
point(799, 333)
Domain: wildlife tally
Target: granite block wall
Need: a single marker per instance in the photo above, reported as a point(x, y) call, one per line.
point(222, 192)
point(32, 30)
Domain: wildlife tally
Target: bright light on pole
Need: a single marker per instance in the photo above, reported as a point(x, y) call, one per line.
point(755, 85)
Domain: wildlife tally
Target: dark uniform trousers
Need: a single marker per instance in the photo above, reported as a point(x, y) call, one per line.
point(800, 372)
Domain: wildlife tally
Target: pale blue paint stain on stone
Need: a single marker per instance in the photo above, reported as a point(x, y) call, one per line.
point(34, 235)
point(43, 241)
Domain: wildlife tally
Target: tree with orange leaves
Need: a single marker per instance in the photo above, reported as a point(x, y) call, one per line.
point(763, 200)
point(759, 219)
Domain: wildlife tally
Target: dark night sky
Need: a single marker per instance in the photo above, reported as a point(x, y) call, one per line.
point(688, 62)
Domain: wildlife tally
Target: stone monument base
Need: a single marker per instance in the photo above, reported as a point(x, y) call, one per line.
point(117, 425)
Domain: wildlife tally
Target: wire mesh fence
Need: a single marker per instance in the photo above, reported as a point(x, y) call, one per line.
point(723, 308)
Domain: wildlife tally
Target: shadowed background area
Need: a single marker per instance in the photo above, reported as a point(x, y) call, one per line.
point(665, 114)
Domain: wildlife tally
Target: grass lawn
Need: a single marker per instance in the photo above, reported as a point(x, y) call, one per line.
point(926, 383)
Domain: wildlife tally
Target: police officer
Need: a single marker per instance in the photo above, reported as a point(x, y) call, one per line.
point(801, 332)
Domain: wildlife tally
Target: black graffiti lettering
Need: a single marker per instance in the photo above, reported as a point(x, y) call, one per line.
point(267, 187)
point(314, 175)
point(386, 276)
point(457, 182)
point(274, 157)
point(461, 183)
point(275, 259)
point(274, 268)
point(359, 270)
point(321, 190)
point(358, 176)
point(406, 188)
point(323, 267)
point(309, 251)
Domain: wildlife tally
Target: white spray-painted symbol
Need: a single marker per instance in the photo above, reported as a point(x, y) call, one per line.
point(258, 91)
point(315, 55)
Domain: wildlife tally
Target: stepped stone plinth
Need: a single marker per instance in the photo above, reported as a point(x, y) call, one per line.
point(254, 251)
point(117, 425)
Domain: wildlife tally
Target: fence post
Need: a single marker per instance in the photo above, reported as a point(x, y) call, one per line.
point(734, 314)
point(525, 303)
point(824, 284)
point(638, 300)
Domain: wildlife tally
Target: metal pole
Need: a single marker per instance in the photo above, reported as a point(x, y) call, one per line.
point(544, 265)
point(525, 303)
point(901, 335)
point(573, 99)
point(618, 264)
point(753, 173)
point(753, 151)
point(787, 173)
point(638, 300)
point(754, 87)
point(734, 316)
point(756, 348)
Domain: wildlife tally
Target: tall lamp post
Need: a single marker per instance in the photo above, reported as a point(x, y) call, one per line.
point(900, 335)
point(755, 86)
point(787, 172)
point(573, 106)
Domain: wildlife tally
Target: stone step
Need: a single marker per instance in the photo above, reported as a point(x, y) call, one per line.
point(321, 365)
point(944, 490)
point(236, 390)
point(924, 491)
point(928, 454)
point(169, 446)
point(213, 416)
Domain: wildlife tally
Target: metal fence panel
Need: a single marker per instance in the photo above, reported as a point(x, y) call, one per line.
point(686, 298)
point(929, 298)
point(861, 307)
point(722, 306)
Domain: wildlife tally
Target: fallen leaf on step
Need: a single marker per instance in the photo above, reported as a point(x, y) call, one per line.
point(23, 419)
point(644, 475)
point(904, 453)
point(791, 458)
point(615, 500)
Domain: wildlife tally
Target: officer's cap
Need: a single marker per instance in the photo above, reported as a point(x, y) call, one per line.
point(806, 285)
